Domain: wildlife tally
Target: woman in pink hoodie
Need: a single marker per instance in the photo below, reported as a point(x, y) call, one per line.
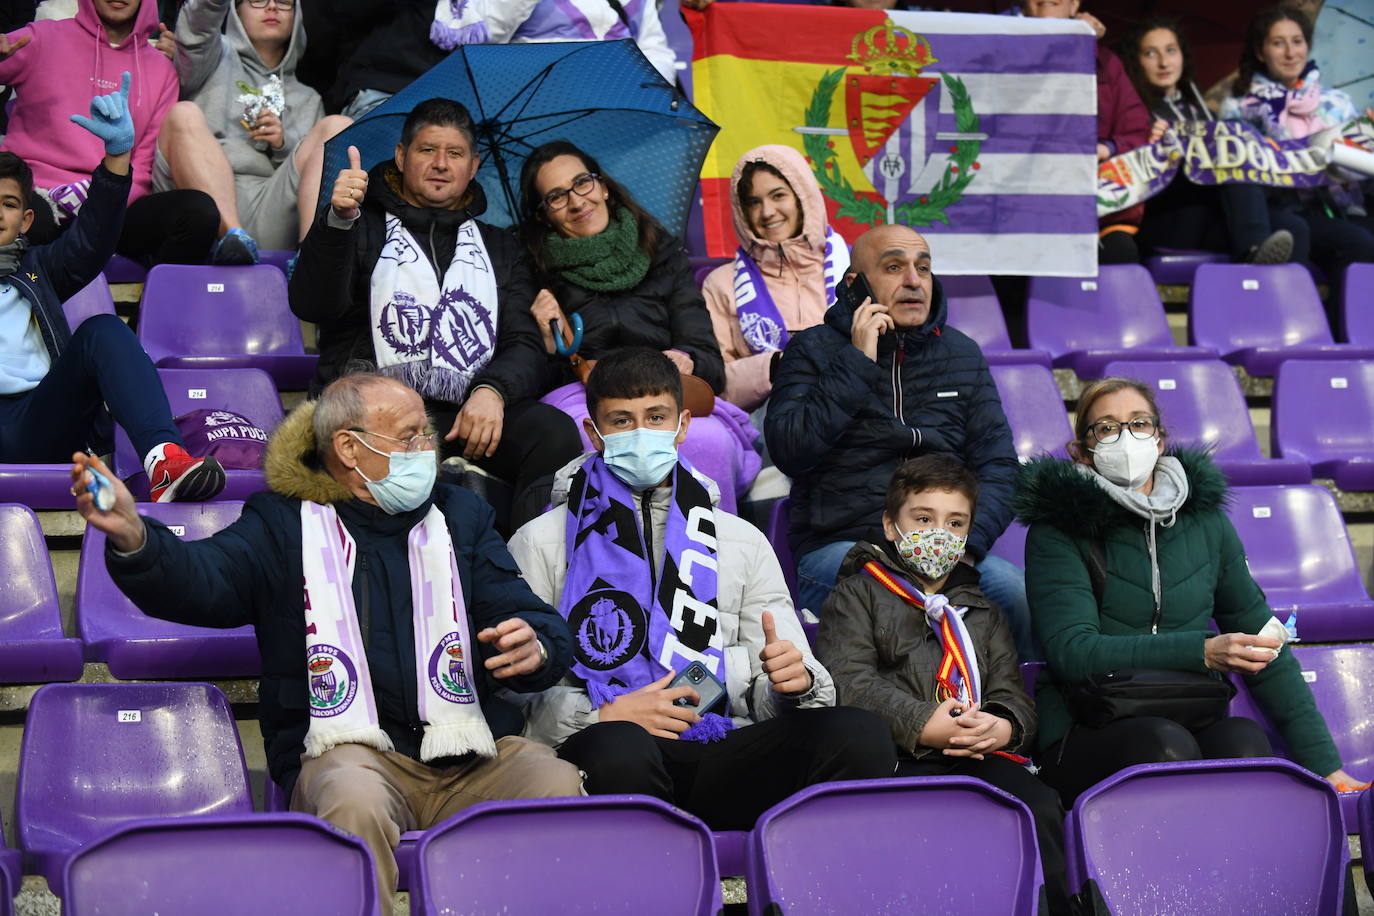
point(55, 66)
point(784, 273)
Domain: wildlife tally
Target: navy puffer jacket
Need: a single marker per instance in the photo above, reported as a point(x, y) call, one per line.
point(839, 424)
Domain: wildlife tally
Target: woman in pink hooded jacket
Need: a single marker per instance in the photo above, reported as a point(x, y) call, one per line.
point(784, 273)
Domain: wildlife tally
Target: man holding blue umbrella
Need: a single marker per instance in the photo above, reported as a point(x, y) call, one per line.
point(399, 272)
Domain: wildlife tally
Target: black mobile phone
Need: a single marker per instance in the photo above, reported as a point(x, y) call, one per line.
point(857, 290)
point(714, 697)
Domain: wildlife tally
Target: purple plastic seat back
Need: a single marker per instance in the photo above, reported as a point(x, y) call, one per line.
point(777, 536)
point(135, 645)
point(1176, 266)
point(97, 755)
point(1117, 309)
point(1035, 410)
point(1323, 413)
point(179, 866)
point(1185, 838)
point(92, 299)
point(276, 257)
point(248, 392)
point(1300, 553)
point(1366, 819)
point(886, 846)
point(11, 874)
point(1357, 319)
point(975, 310)
point(32, 646)
point(550, 855)
point(1011, 546)
point(120, 269)
point(1236, 306)
point(1201, 404)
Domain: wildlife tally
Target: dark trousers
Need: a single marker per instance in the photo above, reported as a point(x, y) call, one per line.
point(1015, 780)
point(1336, 244)
point(536, 440)
point(169, 227)
point(102, 365)
point(1087, 756)
point(729, 783)
point(1231, 218)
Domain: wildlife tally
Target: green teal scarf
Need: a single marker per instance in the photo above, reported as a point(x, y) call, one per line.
point(610, 261)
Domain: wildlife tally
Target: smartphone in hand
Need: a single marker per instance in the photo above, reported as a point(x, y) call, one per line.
point(857, 290)
point(714, 697)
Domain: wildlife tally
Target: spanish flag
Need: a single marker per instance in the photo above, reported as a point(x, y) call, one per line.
point(977, 130)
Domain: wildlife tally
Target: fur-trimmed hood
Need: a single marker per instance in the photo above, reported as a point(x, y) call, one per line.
point(1053, 491)
point(293, 468)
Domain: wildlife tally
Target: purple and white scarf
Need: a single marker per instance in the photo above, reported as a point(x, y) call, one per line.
point(434, 337)
point(759, 319)
point(458, 22)
point(628, 629)
point(343, 709)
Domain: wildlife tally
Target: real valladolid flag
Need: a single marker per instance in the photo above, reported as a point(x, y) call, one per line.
point(978, 131)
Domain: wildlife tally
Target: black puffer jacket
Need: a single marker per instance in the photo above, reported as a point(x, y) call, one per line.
point(839, 424)
point(332, 284)
point(664, 311)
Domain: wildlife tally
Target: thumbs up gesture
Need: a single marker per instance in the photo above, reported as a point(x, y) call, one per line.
point(110, 119)
point(350, 187)
point(782, 661)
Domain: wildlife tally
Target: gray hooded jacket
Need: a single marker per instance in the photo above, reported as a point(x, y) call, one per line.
point(213, 56)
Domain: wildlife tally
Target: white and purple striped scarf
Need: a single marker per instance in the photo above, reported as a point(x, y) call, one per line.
point(343, 709)
point(628, 628)
point(759, 319)
point(458, 22)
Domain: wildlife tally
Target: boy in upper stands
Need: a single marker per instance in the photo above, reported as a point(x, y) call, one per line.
point(659, 581)
point(54, 383)
point(908, 634)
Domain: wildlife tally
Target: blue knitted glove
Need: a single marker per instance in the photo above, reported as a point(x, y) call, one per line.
point(110, 119)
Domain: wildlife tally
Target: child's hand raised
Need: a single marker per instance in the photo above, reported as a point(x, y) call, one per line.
point(110, 119)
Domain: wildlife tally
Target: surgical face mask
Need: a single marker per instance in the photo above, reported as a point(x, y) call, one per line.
point(641, 458)
point(408, 482)
point(931, 554)
point(1127, 462)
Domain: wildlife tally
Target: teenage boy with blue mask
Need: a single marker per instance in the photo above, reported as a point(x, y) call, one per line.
point(654, 581)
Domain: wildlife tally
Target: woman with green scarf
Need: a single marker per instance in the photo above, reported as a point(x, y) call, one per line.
point(600, 255)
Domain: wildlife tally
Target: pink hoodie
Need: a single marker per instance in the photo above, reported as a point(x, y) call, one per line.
point(56, 74)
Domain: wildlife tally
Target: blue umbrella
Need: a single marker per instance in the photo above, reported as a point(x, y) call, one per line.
point(603, 96)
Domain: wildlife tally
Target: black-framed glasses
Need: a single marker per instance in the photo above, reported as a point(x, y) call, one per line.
point(421, 443)
point(582, 185)
point(1108, 431)
point(262, 4)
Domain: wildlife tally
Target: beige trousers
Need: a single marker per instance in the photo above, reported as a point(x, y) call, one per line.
point(378, 795)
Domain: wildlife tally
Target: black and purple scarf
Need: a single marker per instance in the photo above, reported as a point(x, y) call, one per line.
point(629, 629)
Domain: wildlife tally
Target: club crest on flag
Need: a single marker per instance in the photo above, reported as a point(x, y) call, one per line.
point(890, 117)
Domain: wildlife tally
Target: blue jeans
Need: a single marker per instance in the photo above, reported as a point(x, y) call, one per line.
point(103, 364)
point(1003, 582)
point(364, 101)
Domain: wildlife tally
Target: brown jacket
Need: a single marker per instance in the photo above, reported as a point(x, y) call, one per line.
point(883, 654)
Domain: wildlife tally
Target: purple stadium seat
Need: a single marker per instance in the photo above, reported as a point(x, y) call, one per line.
point(135, 645)
point(276, 258)
point(247, 392)
point(10, 876)
point(97, 755)
point(178, 865)
point(223, 317)
point(1210, 836)
point(1324, 414)
point(550, 855)
point(974, 309)
point(32, 647)
point(1035, 410)
point(1087, 323)
point(1257, 316)
point(890, 846)
point(1030, 673)
point(1175, 266)
point(777, 536)
point(93, 299)
point(38, 486)
point(120, 269)
point(1357, 295)
point(1300, 554)
point(1011, 546)
point(680, 41)
point(1366, 806)
point(702, 267)
point(1339, 677)
point(1203, 405)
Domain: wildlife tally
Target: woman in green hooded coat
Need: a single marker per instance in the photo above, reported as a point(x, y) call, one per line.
point(1170, 563)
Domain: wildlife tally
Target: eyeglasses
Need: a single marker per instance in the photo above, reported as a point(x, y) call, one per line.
point(421, 443)
point(582, 185)
point(262, 4)
point(1108, 431)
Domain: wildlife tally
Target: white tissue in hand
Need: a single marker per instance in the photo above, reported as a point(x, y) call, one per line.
point(1275, 630)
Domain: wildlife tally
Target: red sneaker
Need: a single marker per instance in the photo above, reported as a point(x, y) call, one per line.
point(178, 477)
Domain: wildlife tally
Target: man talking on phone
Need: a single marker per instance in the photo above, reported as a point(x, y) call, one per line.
point(881, 380)
point(691, 678)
